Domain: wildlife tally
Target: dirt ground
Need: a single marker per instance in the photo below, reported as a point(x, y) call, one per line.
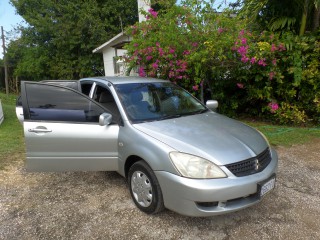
point(97, 205)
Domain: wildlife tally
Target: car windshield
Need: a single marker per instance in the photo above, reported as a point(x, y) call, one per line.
point(157, 101)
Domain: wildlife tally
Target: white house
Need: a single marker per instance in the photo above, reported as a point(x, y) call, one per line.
point(113, 50)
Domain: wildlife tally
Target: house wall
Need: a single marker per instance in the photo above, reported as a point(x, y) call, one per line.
point(108, 62)
point(108, 54)
point(109, 51)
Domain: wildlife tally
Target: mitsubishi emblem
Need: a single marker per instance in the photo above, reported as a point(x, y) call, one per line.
point(256, 164)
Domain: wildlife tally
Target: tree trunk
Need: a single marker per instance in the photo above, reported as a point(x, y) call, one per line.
point(303, 23)
point(316, 18)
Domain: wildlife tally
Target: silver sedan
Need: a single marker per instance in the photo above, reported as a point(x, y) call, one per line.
point(175, 152)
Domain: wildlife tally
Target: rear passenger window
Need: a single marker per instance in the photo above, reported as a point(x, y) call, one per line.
point(54, 103)
point(85, 88)
point(103, 96)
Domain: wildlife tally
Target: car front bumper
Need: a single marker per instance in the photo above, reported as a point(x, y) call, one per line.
point(209, 197)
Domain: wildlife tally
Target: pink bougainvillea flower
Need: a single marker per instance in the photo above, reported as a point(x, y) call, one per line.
point(155, 65)
point(142, 73)
point(136, 45)
point(241, 32)
point(186, 52)
point(244, 41)
point(153, 12)
point(195, 88)
point(194, 44)
point(161, 52)
point(253, 60)
point(271, 75)
point(243, 50)
point(262, 62)
point(157, 44)
point(240, 85)
point(171, 50)
point(149, 58)
point(274, 62)
point(273, 107)
point(273, 48)
point(220, 30)
point(149, 49)
point(244, 59)
point(281, 47)
point(183, 65)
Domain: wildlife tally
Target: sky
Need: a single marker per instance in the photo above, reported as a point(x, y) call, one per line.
point(8, 19)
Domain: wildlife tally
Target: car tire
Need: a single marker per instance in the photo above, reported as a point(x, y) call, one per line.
point(144, 188)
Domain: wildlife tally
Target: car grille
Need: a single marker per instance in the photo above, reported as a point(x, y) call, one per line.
point(251, 165)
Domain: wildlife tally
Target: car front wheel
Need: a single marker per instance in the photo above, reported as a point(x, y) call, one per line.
point(144, 188)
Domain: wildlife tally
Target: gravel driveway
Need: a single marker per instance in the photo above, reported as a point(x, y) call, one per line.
point(97, 205)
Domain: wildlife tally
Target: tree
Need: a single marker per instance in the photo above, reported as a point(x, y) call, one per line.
point(298, 15)
point(60, 36)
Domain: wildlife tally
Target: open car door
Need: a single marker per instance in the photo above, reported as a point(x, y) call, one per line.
point(62, 131)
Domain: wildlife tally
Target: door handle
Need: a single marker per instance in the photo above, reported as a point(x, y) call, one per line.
point(39, 130)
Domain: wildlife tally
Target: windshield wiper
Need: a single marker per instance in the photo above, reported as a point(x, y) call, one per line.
point(198, 112)
point(169, 116)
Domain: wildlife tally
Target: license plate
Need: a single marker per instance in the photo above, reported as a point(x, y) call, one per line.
point(267, 186)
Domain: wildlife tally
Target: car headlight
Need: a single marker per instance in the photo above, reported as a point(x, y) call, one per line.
point(195, 167)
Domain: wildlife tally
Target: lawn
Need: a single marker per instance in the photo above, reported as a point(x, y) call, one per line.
point(285, 135)
point(12, 142)
point(11, 134)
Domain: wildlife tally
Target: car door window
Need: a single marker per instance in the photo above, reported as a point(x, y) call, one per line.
point(55, 103)
point(103, 96)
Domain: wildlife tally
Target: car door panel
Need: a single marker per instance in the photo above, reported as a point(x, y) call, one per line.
point(75, 143)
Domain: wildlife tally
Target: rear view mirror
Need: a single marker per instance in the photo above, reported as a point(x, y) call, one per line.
point(105, 119)
point(212, 104)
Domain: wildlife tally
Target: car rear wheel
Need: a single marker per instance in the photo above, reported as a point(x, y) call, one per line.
point(144, 188)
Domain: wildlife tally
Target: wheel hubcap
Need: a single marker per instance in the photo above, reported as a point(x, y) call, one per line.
point(141, 188)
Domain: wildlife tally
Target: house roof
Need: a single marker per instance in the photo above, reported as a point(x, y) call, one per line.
point(115, 42)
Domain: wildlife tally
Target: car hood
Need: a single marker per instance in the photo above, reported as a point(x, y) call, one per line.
point(209, 135)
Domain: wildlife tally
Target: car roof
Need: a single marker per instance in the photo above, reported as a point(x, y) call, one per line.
point(124, 80)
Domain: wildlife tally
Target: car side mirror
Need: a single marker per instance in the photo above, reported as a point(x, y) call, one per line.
point(212, 104)
point(105, 119)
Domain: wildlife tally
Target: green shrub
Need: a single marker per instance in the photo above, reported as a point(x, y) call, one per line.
point(290, 114)
point(251, 73)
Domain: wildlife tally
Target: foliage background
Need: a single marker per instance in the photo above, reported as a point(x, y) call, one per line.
point(58, 41)
point(257, 58)
point(251, 70)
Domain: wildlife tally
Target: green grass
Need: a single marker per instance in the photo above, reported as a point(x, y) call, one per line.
point(284, 135)
point(11, 133)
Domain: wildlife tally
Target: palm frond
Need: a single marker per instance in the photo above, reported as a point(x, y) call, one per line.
point(282, 22)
